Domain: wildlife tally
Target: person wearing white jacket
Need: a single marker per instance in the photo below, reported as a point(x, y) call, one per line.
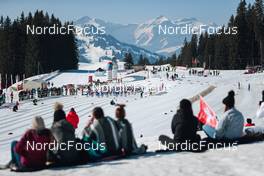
point(231, 125)
point(260, 111)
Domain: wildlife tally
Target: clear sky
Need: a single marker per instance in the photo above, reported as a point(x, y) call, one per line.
point(126, 11)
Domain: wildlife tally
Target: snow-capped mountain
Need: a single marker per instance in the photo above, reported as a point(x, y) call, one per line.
point(95, 47)
point(148, 34)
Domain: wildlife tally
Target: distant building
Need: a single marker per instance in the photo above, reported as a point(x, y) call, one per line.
point(109, 71)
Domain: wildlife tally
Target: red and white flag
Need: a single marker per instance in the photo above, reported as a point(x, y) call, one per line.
point(207, 115)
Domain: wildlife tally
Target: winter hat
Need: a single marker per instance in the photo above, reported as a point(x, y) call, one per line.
point(98, 112)
point(120, 111)
point(185, 104)
point(229, 101)
point(38, 123)
point(249, 120)
point(58, 106)
point(186, 107)
point(72, 110)
point(59, 115)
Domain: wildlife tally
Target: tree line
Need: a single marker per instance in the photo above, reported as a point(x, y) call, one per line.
point(227, 51)
point(143, 60)
point(24, 54)
point(224, 50)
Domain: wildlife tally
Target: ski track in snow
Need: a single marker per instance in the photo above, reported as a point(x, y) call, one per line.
point(150, 117)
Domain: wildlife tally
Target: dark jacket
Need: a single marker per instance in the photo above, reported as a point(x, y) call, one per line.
point(127, 140)
point(104, 132)
point(184, 127)
point(32, 157)
point(63, 133)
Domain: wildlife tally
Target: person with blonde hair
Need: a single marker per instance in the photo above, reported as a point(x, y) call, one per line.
point(58, 106)
point(64, 133)
point(59, 114)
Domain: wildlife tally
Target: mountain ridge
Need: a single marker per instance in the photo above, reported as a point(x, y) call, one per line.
point(145, 34)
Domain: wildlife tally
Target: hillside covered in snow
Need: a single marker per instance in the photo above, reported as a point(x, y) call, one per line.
point(150, 117)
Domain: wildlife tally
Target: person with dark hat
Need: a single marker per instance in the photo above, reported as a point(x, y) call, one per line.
point(249, 123)
point(59, 114)
point(231, 125)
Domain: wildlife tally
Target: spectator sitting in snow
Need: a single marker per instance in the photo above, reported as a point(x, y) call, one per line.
point(184, 124)
point(59, 114)
point(184, 127)
point(63, 133)
point(27, 157)
point(128, 142)
point(232, 123)
point(73, 118)
point(101, 131)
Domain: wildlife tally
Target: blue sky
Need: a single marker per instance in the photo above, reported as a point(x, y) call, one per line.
point(126, 11)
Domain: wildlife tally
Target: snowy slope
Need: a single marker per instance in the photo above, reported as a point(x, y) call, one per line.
point(149, 119)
